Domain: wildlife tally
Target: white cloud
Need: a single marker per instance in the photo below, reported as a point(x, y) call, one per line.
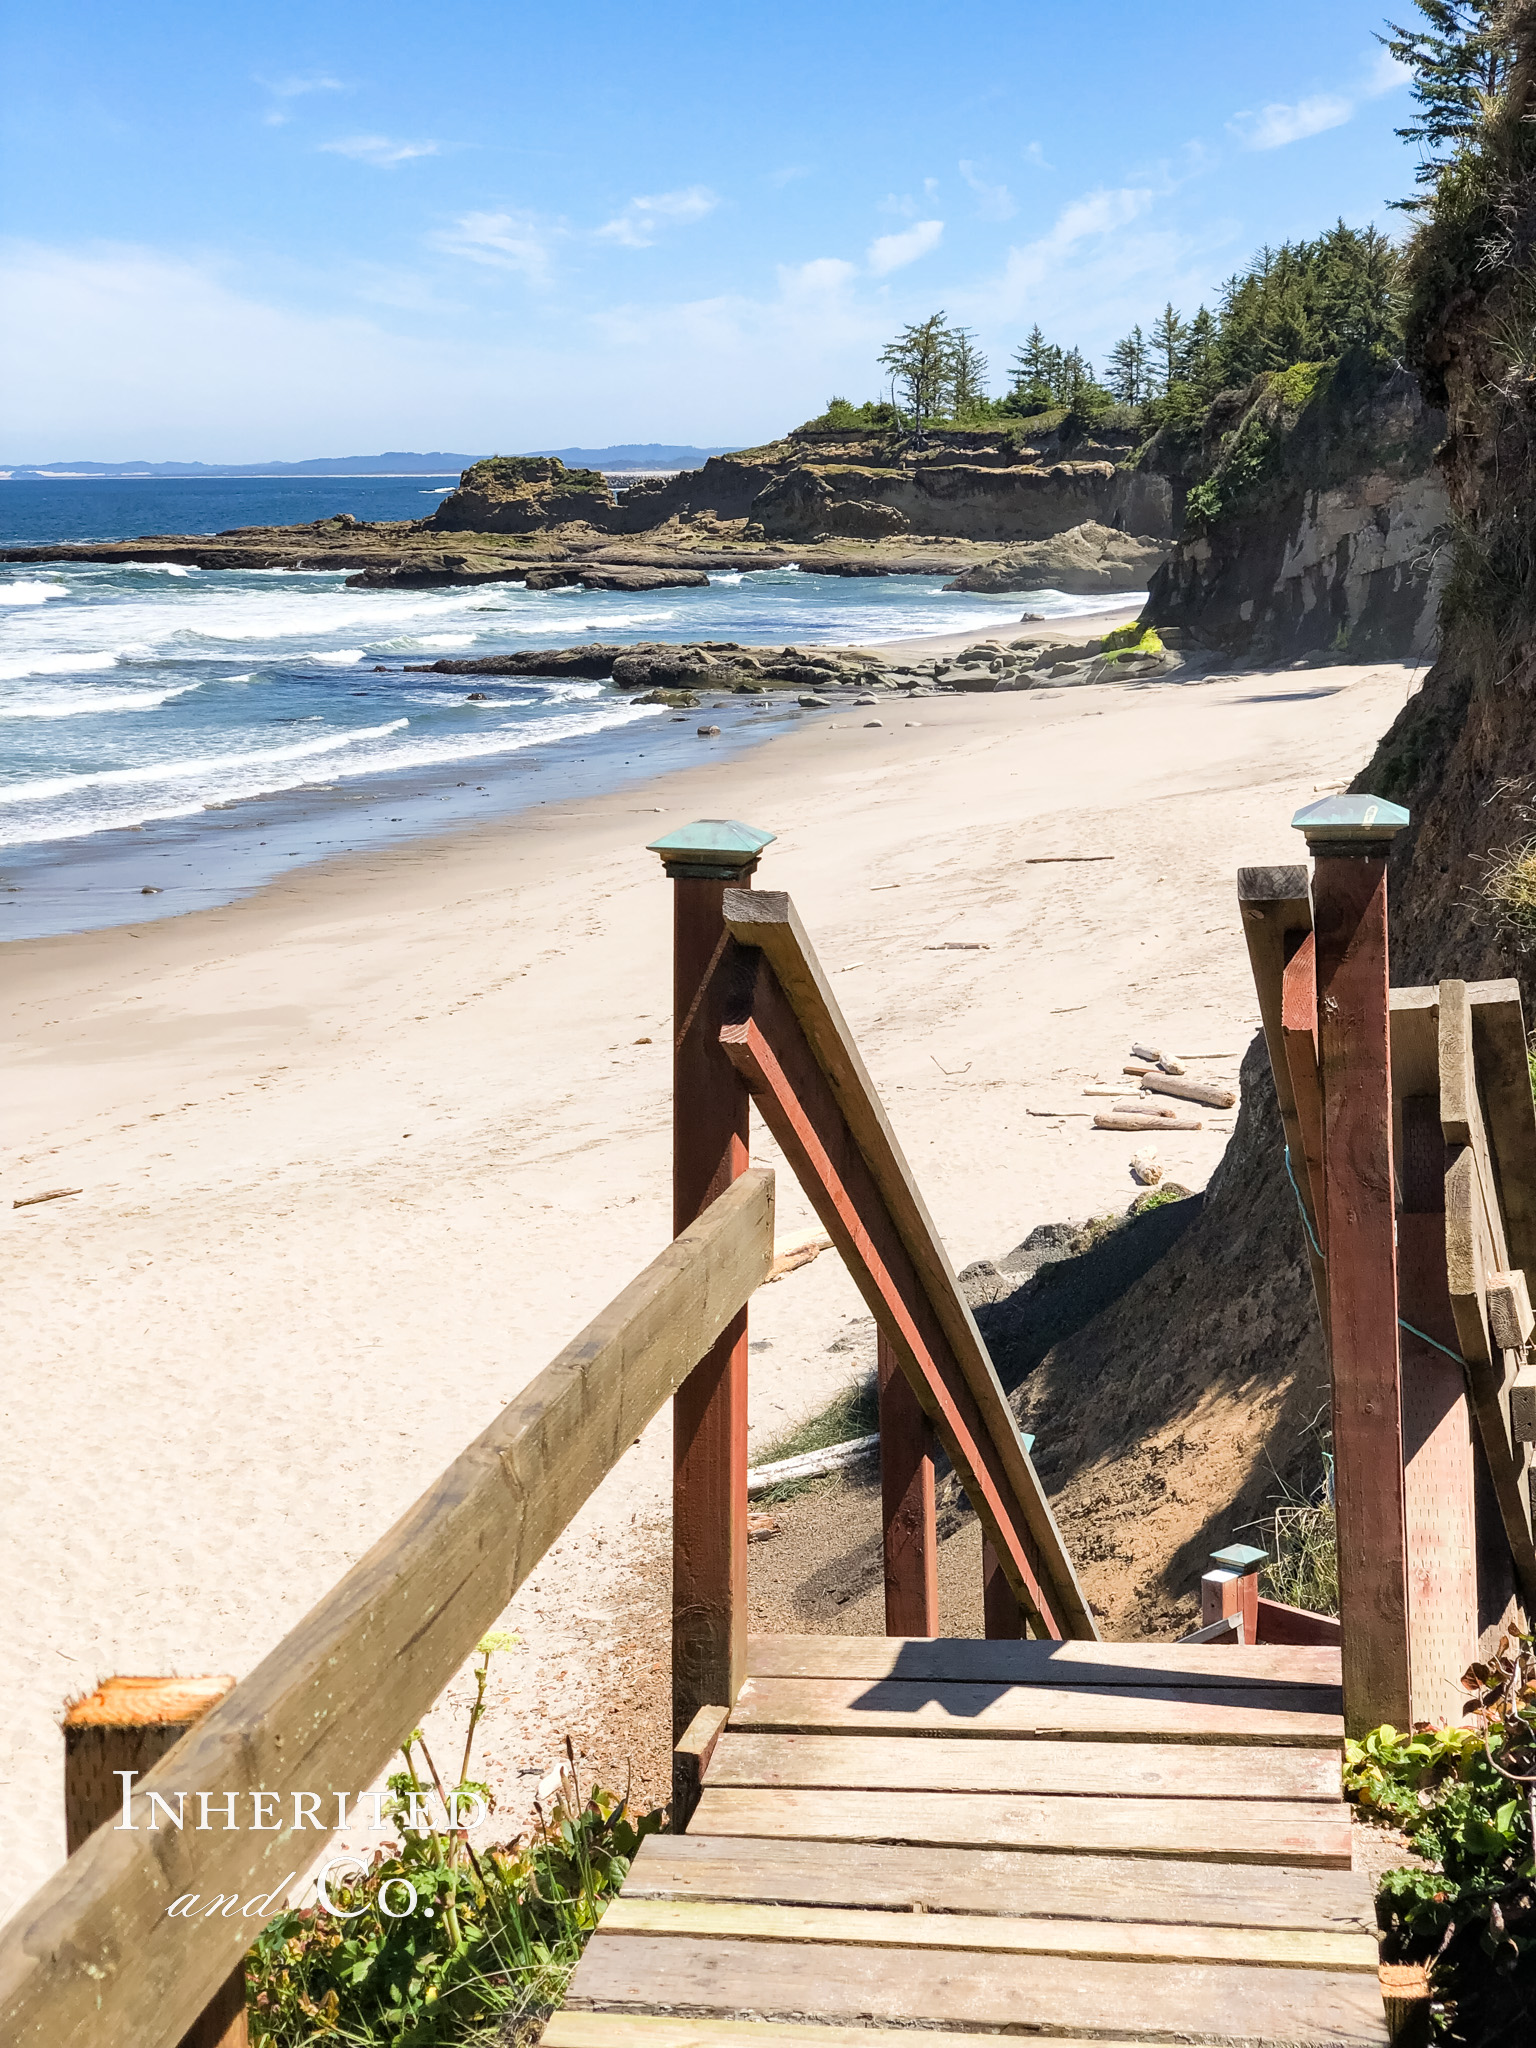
point(518, 242)
point(816, 279)
point(1274, 126)
point(1034, 153)
point(295, 87)
point(1282, 122)
point(892, 252)
point(786, 175)
point(641, 222)
point(379, 150)
point(1385, 74)
point(118, 350)
point(996, 202)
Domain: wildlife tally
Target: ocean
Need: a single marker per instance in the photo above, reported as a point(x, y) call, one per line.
point(172, 737)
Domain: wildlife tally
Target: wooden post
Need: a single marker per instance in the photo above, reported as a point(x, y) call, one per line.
point(710, 1109)
point(1349, 838)
point(1233, 1588)
point(1000, 1613)
point(127, 1724)
point(906, 1500)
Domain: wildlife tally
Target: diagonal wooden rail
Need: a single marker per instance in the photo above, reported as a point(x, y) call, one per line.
point(92, 1961)
point(789, 1041)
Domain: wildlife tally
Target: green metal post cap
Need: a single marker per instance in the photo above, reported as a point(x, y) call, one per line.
point(1239, 1557)
point(711, 849)
point(1349, 820)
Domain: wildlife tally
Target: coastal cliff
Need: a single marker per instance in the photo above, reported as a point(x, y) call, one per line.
point(1312, 518)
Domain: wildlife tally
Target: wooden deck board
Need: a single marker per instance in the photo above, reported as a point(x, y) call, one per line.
point(1311, 1833)
point(848, 1706)
point(668, 2030)
point(894, 1763)
point(976, 1880)
point(967, 1660)
point(1105, 1841)
point(984, 1934)
point(1191, 2002)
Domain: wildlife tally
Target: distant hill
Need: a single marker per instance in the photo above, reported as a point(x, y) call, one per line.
point(634, 455)
point(395, 463)
point(625, 455)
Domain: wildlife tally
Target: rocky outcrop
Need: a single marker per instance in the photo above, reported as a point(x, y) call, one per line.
point(586, 577)
point(1319, 524)
point(1084, 558)
point(523, 494)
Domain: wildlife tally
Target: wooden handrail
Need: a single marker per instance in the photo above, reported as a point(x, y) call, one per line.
point(847, 1158)
point(92, 1961)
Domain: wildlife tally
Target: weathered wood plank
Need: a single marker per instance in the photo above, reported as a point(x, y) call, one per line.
point(976, 1880)
point(1129, 1941)
point(1469, 1259)
point(1153, 1770)
point(970, 1660)
point(1503, 1071)
point(1041, 1994)
point(1310, 1834)
point(766, 918)
point(92, 1961)
point(842, 1706)
point(667, 2030)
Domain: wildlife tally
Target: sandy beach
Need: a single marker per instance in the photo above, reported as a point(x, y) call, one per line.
point(416, 1131)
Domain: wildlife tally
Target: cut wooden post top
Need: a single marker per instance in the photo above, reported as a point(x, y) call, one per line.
point(711, 850)
point(1345, 824)
point(147, 1702)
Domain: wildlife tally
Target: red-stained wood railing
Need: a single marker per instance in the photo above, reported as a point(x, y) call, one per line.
point(1412, 1149)
point(789, 1042)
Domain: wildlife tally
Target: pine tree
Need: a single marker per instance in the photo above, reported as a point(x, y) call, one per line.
point(1197, 358)
point(1461, 64)
point(1072, 372)
point(920, 361)
point(1127, 377)
point(1167, 346)
point(967, 373)
point(1036, 372)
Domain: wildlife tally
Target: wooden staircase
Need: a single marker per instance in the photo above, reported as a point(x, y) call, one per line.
point(1134, 1841)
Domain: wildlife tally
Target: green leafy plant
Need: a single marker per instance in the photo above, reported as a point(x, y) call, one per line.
point(433, 1944)
point(1463, 1797)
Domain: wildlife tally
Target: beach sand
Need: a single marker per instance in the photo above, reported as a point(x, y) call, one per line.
point(415, 1131)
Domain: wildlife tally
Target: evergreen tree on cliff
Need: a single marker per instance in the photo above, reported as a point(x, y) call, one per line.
point(1127, 375)
point(921, 363)
point(1036, 372)
point(1461, 64)
point(967, 374)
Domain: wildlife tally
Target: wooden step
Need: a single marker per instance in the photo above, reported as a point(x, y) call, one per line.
point(936, 1763)
point(893, 1706)
point(1184, 2002)
point(976, 1880)
point(960, 1660)
point(1307, 1833)
point(986, 1934)
point(667, 2030)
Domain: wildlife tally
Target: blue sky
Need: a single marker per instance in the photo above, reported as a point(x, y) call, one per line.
point(286, 230)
